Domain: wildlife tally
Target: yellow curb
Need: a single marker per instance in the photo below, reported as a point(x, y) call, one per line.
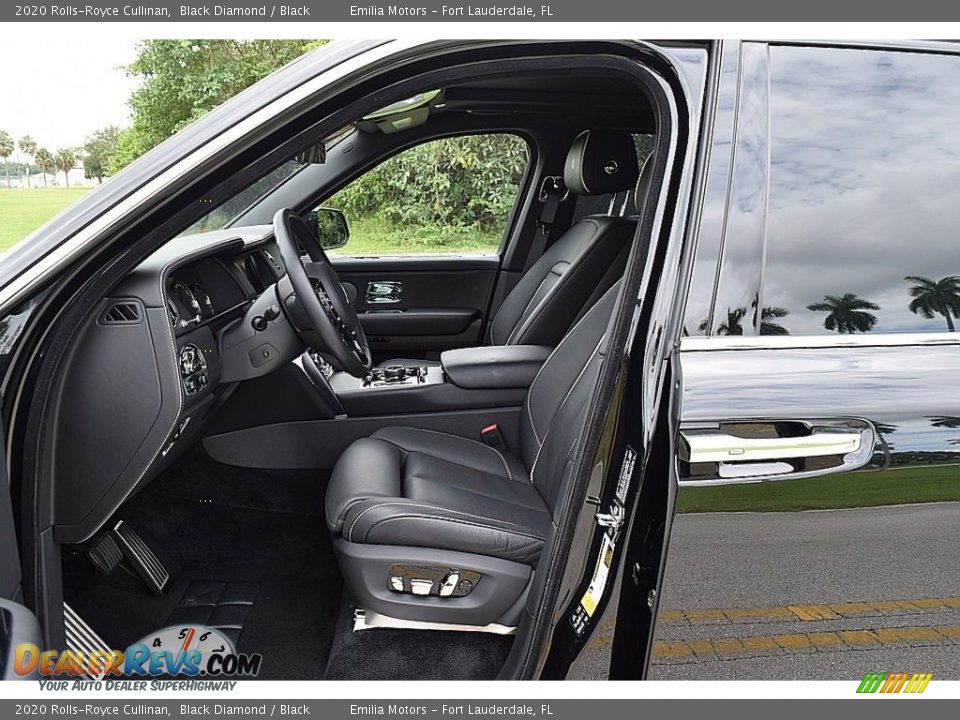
point(858, 637)
point(825, 639)
point(705, 615)
point(728, 646)
point(792, 642)
point(701, 647)
point(671, 650)
point(774, 613)
point(760, 643)
point(950, 631)
point(851, 607)
point(812, 612)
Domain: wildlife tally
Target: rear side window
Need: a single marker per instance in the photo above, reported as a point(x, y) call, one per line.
point(863, 212)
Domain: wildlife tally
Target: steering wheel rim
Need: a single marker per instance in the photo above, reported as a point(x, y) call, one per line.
point(320, 295)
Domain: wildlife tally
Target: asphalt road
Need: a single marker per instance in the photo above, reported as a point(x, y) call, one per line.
point(812, 595)
point(818, 595)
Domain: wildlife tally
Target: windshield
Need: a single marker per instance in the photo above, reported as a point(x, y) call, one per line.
point(222, 215)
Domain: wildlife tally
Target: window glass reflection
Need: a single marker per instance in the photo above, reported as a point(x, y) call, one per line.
point(864, 197)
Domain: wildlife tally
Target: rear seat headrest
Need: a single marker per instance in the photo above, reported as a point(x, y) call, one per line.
point(601, 162)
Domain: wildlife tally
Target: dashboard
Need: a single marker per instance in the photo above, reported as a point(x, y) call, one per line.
point(154, 361)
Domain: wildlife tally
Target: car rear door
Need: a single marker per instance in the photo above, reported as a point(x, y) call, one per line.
point(818, 514)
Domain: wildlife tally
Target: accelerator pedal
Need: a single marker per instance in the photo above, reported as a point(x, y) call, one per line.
point(147, 565)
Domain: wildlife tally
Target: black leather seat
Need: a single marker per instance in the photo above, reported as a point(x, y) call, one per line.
point(407, 497)
point(580, 265)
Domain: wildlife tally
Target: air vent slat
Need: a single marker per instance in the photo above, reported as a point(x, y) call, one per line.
point(122, 313)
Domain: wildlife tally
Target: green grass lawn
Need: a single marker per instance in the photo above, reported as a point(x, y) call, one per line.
point(866, 488)
point(371, 236)
point(22, 211)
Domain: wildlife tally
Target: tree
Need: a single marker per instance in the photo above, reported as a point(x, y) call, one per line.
point(767, 317)
point(932, 297)
point(846, 313)
point(6, 150)
point(98, 150)
point(44, 160)
point(65, 159)
point(183, 79)
point(28, 146)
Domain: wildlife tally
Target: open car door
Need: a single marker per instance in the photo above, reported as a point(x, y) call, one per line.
point(18, 624)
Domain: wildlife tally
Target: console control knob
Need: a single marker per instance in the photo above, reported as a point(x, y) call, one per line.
point(394, 372)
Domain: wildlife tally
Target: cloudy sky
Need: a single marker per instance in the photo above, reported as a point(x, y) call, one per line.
point(864, 172)
point(62, 90)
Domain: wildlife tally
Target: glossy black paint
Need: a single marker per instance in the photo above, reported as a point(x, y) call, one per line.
point(859, 179)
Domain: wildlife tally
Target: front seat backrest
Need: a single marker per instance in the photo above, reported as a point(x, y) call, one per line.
point(590, 254)
point(555, 406)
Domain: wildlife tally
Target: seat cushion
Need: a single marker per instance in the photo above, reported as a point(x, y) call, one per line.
point(421, 488)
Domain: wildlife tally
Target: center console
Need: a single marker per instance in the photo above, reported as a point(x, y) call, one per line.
point(466, 379)
point(393, 375)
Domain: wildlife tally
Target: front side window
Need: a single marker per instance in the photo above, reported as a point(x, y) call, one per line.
point(443, 197)
point(864, 193)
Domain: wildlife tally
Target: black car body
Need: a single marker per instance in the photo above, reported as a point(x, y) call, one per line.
point(760, 479)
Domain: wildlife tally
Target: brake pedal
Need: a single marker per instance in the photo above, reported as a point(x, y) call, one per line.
point(105, 553)
point(147, 565)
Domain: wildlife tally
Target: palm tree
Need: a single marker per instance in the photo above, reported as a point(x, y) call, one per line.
point(733, 325)
point(44, 160)
point(932, 297)
point(846, 313)
point(767, 316)
point(65, 159)
point(28, 146)
point(6, 150)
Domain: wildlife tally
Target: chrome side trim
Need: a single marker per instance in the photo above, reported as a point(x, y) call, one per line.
point(368, 619)
point(785, 342)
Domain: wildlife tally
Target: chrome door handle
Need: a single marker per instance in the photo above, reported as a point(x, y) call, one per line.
point(712, 446)
point(714, 456)
point(382, 292)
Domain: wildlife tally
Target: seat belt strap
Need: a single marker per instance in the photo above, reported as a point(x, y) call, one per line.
point(552, 193)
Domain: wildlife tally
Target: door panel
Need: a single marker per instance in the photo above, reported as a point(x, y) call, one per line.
point(415, 306)
point(831, 574)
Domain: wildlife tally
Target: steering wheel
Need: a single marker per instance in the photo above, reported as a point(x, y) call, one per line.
point(320, 297)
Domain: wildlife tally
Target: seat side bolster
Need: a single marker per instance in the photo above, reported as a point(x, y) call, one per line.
point(368, 469)
point(412, 524)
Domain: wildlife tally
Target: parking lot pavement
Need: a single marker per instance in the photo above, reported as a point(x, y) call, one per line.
point(822, 595)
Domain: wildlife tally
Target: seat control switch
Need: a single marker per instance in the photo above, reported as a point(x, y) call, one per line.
point(449, 583)
point(421, 587)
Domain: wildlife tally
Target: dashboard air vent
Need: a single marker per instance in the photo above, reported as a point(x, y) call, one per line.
point(122, 313)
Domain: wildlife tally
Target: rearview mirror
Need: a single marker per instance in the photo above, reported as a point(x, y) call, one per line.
point(330, 226)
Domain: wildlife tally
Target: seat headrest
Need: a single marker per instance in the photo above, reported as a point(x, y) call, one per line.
point(601, 162)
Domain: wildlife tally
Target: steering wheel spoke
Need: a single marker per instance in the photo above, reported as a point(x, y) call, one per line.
point(336, 329)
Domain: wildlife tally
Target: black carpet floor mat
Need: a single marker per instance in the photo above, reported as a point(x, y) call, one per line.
point(388, 654)
point(245, 548)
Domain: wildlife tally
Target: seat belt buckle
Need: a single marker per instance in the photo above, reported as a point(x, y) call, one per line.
point(492, 436)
